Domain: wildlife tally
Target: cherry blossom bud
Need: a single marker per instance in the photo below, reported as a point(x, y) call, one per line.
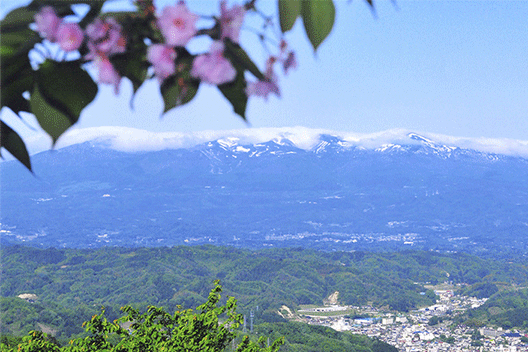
point(213, 68)
point(69, 36)
point(47, 22)
point(269, 65)
point(290, 62)
point(162, 58)
point(283, 45)
point(265, 87)
point(107, 72)
point(231, 20)
point(177, 24)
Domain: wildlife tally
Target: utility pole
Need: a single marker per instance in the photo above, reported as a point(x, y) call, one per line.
point(251, 315)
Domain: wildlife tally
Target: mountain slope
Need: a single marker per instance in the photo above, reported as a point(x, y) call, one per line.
point(333, 195)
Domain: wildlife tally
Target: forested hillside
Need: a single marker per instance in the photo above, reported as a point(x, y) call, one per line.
point(506, 309)
point(73, 284)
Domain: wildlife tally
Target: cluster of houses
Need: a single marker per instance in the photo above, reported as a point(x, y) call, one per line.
point(418, 330)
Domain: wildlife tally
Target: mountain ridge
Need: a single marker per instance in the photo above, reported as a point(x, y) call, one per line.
point(334, 195)
point(133, 140)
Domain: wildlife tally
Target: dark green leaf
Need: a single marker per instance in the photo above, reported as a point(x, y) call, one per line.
point(51, 119)
point(235, 93)
point(61, 7)
point(18, 19)
point(181, 87)
point(177, 91)
point(15, 38)
point(62, 91)
point(318, 18)
point(132, 65)
point(95, 10)
point(240, 59)
point(11, 141)
point(67, 86)
point(289, 10)
point(17, 44)
point(11, 94)
point(16, 78)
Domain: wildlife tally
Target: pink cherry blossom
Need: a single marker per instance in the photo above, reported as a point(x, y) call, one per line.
point(105, 38)
point(177, 24)
point(213, 67)
point(262, 89)
point(231, 20)
point(162, 58)
point(96, 30)
point(47, 22)
point(265, 87)
point(107, 72)
point(69, 36)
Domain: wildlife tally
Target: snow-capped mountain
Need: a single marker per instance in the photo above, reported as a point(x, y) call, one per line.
point(273, 188)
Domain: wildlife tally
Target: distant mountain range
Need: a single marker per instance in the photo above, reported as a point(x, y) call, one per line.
point(273, 188)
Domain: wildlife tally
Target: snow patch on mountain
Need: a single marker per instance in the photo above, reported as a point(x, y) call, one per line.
point(316, 140)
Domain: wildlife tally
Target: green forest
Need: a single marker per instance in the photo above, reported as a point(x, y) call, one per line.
point(506, 309)
point(73, 284)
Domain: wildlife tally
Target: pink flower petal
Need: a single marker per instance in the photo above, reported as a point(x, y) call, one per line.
point(213, 67)
point(162, 58)
point(262, 89)
point(107, 72)
point(177, 24)
point(47, 22)
point(69, 36)
point(96, 30)
point(231, 20)
point(105, 38)
point(265, 87)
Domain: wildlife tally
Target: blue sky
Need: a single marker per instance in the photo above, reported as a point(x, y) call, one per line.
point(456, 68)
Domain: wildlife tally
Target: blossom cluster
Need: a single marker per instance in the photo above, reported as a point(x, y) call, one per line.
point(270, 85)
point(104, 39)
point(177, 26)
point(69, 36)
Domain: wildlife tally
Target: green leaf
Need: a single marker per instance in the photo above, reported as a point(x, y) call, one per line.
point(119, 16)
point(95, 10)
point(17, 44)
point(11, 141)
point(132, 65)
point(235, 93)
point(177, 91)
point(289, 10)
point(318, 18)
point(240, 59)
point(51, 119)
point(180, 88)
point(16, 72)
point(17, 19)
point(61, 7)
point(11, 94)
point(16, 79)
point(62, 91)
point(67, 85)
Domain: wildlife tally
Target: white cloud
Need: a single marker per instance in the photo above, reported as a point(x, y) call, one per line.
point(130, 139)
